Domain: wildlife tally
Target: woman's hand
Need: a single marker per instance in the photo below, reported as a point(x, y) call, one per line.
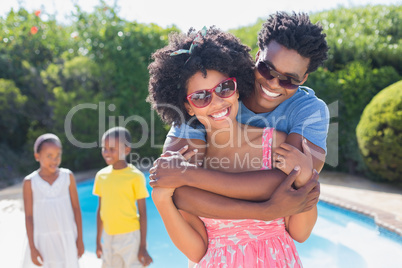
point(286, 157)
point(160, 195)
point(169, 169)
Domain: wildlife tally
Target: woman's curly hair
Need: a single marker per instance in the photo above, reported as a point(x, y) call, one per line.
point(295, 31)
point(216, 50)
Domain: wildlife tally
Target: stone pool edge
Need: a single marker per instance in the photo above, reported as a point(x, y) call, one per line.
point(382, 218)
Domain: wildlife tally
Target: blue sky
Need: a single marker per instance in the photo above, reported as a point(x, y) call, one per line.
point(225, 14)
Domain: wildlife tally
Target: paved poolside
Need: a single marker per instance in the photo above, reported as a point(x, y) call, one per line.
point(381, 201)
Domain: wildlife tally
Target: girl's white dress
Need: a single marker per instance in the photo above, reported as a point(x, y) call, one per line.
point(55, 230)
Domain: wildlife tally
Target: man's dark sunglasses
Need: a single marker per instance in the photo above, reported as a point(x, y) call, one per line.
point(269, 73)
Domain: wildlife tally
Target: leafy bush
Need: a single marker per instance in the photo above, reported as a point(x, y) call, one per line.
point(99, 60)
point(13, 163)
point(369, 34)
point(350, 89)
point(379, 133)
point(11, 104)
point(102, 59)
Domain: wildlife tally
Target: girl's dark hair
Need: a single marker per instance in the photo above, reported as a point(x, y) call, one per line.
point(53, 141)
point(217, 50)
point(46, 138)
point(295, 31)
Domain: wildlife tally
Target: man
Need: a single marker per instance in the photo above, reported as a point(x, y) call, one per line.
point(290, 48)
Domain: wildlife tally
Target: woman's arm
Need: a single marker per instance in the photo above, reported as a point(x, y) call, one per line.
point(298, 225)
point(186, 231)
point(143, 255)
point(77, 215)
point(301, 225)
point(28, 207)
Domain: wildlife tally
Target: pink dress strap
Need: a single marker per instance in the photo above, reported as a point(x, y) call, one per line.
point(267, 147)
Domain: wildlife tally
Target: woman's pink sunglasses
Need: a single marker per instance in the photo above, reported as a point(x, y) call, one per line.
point(203, 98)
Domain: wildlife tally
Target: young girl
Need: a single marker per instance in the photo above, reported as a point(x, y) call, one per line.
point(52, 210)
point(199, 80)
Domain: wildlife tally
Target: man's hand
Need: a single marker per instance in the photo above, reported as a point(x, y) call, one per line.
point(288, 201)
point(169, 169)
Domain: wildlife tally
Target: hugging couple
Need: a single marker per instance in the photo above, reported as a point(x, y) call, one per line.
point(238, 179)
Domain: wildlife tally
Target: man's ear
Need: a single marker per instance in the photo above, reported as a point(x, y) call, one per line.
point(257, 55)
point(189, 109)
point(36, 155)
point(304, 79)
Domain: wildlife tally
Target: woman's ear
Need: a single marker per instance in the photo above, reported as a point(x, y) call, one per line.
point(189, 109)
point(36, 155)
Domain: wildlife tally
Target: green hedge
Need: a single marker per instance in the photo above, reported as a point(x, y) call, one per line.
point(379, 133)
point(350, 90)
point(101, 58)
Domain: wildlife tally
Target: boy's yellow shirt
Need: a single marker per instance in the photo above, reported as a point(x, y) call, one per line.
point(119, 190)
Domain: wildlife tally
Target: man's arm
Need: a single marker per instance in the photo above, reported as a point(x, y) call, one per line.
point(258, 185)
point(206, 204)
point(251, 185)
point(317, 152)
point(284, 202)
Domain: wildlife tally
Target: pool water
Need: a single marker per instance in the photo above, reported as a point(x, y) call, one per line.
point(340, 239)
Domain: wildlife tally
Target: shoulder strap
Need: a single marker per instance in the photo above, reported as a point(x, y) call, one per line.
point(267, 147)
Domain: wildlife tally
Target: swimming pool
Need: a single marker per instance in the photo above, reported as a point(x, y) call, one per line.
point(340, 239)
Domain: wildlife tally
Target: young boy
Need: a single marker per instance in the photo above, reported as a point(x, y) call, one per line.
point(118, 186)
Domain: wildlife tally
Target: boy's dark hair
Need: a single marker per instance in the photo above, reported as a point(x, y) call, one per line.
point(120, 133)
point(295, 31)
point(216, 50)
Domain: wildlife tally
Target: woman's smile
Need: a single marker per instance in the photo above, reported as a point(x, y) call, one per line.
point(221, 114)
